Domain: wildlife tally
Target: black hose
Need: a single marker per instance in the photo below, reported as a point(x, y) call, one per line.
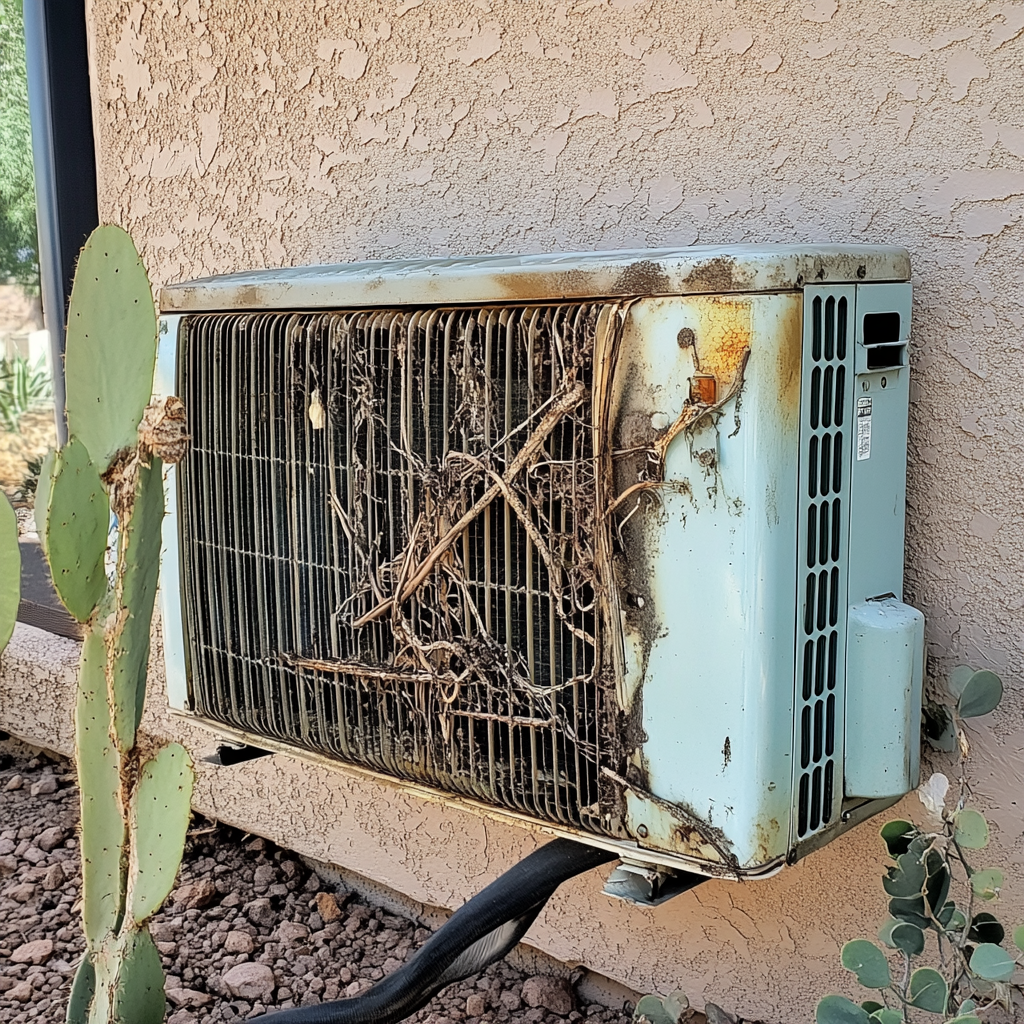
point(477, 934)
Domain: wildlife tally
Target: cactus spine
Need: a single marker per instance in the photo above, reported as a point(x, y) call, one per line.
point(135, 805)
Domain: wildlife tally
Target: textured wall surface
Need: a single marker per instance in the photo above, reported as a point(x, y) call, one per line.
point(241, 134)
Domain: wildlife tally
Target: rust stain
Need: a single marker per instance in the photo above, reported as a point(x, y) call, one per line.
point(723, 339)
point(767, 832)
point(645, 277)
point(790, 356)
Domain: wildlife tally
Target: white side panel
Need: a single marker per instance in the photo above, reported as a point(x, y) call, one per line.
point(717, 693)
point(170, 580)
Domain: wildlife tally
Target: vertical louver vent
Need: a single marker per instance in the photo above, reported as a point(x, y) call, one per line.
point(821, 642)
point(332, 454)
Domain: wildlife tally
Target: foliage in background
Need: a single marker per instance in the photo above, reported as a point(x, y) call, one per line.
point(22, 387)
point(18, 248)
point(970, 964)
point(135, 798)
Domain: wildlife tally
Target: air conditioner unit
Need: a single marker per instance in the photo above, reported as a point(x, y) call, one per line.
point(611, 543)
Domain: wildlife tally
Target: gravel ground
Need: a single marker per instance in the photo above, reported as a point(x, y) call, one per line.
point(249, 929)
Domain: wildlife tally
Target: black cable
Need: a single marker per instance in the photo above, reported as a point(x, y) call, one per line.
point(477, 934)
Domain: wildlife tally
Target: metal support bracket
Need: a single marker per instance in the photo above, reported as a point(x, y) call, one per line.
point(647, 886)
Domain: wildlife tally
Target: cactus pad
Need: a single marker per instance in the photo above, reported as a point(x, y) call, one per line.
point(159, 820)
point(43, 494)
point(10, 571)
point(103, 826)
point(76, 521)
point(82, 990)
point(137, 570)
point(111, 345)
point(139, 995)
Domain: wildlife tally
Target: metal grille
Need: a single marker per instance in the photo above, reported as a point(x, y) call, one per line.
point(823, 542)
point(332, 453)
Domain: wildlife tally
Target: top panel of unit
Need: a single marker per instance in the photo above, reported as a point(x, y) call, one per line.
point(542, 278)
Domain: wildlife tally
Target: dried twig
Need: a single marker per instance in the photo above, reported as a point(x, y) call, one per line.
point(574, 394)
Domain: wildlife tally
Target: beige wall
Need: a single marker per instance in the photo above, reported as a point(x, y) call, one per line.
point(242, 134)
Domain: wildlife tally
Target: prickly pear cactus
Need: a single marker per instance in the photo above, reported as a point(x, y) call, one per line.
point(135, 806)
point(10, 571)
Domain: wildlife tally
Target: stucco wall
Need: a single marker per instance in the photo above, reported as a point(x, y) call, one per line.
point(241, 134)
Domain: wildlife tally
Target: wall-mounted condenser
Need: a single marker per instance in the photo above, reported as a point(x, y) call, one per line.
point(610, 543)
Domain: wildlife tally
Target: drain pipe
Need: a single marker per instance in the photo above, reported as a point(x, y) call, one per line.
point(479, 933)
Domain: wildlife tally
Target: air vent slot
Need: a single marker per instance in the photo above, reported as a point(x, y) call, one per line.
point(881, 328)
point(823, 544)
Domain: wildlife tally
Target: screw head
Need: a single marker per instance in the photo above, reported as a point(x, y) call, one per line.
point(641, 831)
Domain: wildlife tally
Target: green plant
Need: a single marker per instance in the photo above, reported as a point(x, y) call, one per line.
point(10, 571)
point(974, 968)
point(21, 388)
point(17, 190)
point(135, 798)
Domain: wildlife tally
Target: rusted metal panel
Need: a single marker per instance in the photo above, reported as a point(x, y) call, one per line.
point(576, 277)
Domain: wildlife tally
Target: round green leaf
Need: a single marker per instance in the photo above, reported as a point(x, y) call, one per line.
point(945, 915)
point(987, 884)
point(885, 933)
point(971, 829)
point(911, 910)
point(906, 878)
point(10, 571)
point(985, 928)
point(839, 1010)
point(872, 1005)
point(897, 836)
point(868, 962)
point(649, 1008)
point(967, 1006)
point(959, 678)
point(887, 1016)
point(111, 345)
point(909, 938)
point(957, 922)
point(992, 962)
point(928, 990)
point(982, 694)
point(1018, 937)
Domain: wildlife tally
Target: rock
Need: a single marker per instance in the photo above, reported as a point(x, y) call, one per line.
point(182, 1017)
point(510, 1000)
point(54, 877)
point(292, 931)
point(238, 942)
point(250, 981)
point(261, 913)
point(163, 931)
point(476, 1005)
point(34, 855)
point(22, 893)
point(6, 983)
point(195, 895)
point(392, 964)
point(44, 787)
point(8, 865)
point(37, 952)
point(358, 986)
point(51, 838)
point(21, 993)
point(327, 907)
point(167, 948)
point(13, 783)
point(264, 875)
point(6, 846)
point(309, 999)
point(188, 997)
point(550, 993)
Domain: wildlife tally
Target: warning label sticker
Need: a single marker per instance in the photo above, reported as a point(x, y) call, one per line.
point(863, 429)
